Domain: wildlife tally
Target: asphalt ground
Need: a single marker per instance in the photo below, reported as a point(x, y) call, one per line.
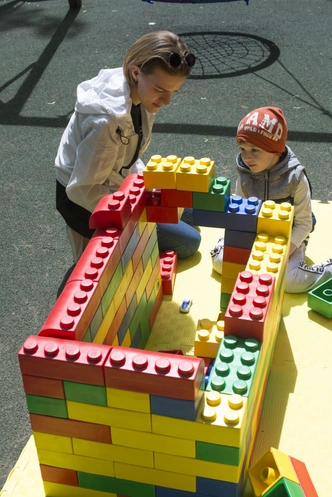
point(272, 52)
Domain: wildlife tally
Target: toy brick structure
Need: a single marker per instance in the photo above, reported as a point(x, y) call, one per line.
point(111, 418)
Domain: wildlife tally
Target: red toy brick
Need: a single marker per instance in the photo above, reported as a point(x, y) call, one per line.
point(98, 261)
point(156, 213)
point(249, 304)
point(154, 373)
point(236, 255)
point(176, 198)
point(63, 359)
point(304, 478)
point(168, 265)
point(70, 428)
point(45, 387)
point(112, 210)
point(73, 311)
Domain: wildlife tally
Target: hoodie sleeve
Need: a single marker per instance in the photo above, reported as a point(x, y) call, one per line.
point(96, 156)
point(302, 212)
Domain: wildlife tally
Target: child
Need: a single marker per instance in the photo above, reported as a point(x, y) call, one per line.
point(269, 170)
point(111, 128)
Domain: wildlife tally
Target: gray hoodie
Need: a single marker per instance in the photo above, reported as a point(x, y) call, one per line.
point(285, 182)
point(91, 152)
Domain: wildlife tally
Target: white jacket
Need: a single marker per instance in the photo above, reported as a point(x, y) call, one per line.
point(91, 153)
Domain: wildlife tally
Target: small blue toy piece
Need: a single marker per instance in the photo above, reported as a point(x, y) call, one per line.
point(186, 304)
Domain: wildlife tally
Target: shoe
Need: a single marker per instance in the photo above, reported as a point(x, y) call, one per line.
point(217, 254)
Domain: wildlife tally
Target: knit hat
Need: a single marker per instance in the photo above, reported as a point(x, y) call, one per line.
point(265, 127)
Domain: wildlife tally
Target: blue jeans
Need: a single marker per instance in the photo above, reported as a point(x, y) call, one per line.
point(183, 238)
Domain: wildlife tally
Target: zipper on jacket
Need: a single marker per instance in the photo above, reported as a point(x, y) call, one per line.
point(266, 184)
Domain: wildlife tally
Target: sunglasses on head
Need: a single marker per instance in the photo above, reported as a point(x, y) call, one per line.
point(175, 60)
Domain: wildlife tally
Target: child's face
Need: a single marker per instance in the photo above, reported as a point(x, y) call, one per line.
point(255, 158)
point(155, 90)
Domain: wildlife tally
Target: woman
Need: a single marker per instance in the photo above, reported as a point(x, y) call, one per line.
point(111, 128)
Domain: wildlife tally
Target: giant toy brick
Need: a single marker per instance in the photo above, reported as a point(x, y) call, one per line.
point(267, 472)
point(249, 305)
point(276, 219)
point(320, 299)
point(240, 215)
point(155, 373)
point(195, 175)
point(176, 198)
point(168, 265)
point(208, 337)
point(156, 213)
point(235, 365)
point(217, 199)
point(161, 172)
point(112, 210)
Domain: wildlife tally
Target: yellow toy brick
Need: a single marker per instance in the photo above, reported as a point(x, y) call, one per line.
point(153, 442)
point(208, 337)
point(109, 416)
point(276, 219)
point(127, 340)
point(160, 172)
point(60, 490)
point(105, 324)
point(112, 452)
point(130, 401)
point(58, 443)
point(271, 244)
point(195, 175)
point(260, 263)
point(231, 269)
point(197, 467)
point(220, 417)
point(227, 284)
point(143, 282)
point(268, 470)
point(76, 462)
point(123, 286)
point(156, 477)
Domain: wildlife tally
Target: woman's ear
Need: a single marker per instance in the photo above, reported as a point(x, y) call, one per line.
point(135, 70)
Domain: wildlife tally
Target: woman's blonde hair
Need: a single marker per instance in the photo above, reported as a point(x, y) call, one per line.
point(153, 50)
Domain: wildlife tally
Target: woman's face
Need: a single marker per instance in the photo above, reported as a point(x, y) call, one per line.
point(154, 90)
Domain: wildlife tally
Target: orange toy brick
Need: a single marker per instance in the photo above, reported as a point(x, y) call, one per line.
point(63, 359)
point(112, 210)
point(154, 373)
point(161, 172)
point(304, 478)
point(249, 305)
point(168, 265)
point(195, 175)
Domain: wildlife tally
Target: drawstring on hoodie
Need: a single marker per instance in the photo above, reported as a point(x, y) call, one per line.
point(266, 184)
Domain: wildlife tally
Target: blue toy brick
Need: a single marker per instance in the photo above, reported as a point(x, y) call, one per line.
point(234, 368)
point(320, 299)
point(241, 215)
point(175, 408)
point(239, 239)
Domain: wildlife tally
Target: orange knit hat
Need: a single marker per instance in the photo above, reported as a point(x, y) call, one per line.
point(265, 127)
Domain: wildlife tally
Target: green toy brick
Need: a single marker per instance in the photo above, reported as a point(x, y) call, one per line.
point(111, 289)
point(234, 368)
point(285, 488)
point(47, 406)
point(115, 485)
point(224, 301)
point(320, 299)
point(218, 453)
point(88, 394)
point(217, 199)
